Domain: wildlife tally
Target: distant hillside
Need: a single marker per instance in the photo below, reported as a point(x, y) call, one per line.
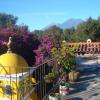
point(67, 24)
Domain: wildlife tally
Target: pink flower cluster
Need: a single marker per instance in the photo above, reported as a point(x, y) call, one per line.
point(44, 48)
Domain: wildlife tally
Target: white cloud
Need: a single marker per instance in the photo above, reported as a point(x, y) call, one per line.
point(43, 14)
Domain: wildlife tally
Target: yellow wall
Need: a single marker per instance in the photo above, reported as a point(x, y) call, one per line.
point(2, 89)
point(16, 90)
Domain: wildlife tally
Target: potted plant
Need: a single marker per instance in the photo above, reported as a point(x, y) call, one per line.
point(50, 77)
point(54, 96)
point(64, 88)
point(73, 76)
point(65, 56)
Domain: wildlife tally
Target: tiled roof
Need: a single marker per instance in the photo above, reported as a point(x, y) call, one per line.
point(87, 48)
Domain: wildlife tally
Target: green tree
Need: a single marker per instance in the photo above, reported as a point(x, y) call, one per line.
point(38, 33)
point(79, 37)
point(55, 30)
point(68, 34)
point(7, 20)
point(89, 29)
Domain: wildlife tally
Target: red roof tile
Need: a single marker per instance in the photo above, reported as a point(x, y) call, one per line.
point(88, 48)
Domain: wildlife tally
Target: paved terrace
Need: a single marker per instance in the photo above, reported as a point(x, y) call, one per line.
point(88, 87)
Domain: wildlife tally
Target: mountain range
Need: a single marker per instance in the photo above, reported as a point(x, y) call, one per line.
point(67, 24)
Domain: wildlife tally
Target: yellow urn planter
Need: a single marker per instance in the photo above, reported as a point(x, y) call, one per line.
point(73, 76)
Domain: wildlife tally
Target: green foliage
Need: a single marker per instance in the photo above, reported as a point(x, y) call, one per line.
point(51, 75)
point(67, 84)
point(89, 29)
point(7, 20)
point(68, 33)
point(38, 33)
point(56, 31)
point(65, 56)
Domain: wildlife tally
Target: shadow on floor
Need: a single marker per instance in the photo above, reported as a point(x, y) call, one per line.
point(79, 87)
point(75, 98)
point(83, 83)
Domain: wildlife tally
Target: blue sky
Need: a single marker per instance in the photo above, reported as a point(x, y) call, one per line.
point(39, 13)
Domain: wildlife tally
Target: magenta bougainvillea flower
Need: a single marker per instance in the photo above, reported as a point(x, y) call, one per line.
point(44, 49)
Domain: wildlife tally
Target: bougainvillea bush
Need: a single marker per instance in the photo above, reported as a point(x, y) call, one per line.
point(23, 42)
point(44, 49)
point(27, 44)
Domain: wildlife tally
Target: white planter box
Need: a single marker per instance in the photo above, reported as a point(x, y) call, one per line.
point(63, 90)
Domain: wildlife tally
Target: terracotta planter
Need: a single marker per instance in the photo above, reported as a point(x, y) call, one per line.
point(48, 81)
point(73, 76)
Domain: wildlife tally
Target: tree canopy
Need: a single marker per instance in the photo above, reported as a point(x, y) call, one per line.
point(7, 20)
